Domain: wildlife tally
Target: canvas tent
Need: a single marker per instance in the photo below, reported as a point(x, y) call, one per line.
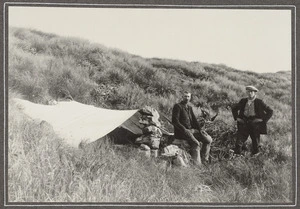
point(76, 122)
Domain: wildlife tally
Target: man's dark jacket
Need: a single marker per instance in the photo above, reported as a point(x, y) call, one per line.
point(262, 111)
point(183, 118)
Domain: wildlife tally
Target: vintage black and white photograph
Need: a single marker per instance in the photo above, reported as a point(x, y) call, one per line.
point(150, 105)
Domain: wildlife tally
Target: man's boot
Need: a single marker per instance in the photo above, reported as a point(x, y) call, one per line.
point(195, 154)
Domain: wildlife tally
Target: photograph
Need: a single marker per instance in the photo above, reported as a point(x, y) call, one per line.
point(149, 105)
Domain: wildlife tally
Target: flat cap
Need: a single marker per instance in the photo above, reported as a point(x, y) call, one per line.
point(251, 88)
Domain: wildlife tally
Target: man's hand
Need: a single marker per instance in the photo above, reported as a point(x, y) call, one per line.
point(257, 120)
point(197, 142)
point(240, 120)
point(190, 132)
point(193, 131)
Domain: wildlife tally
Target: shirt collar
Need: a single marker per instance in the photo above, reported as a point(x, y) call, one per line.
point(251, 100)
point(185, 105)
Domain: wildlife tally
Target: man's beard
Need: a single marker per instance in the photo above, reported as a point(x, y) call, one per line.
point(185, 101)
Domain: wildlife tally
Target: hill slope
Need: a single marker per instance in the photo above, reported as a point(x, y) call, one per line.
point(45, 66)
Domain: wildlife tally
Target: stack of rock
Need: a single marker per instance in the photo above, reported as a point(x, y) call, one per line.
point(152, 134)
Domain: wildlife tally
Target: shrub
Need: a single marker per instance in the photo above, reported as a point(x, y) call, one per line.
point(129, 95)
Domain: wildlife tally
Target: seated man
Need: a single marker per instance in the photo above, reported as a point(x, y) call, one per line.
point(186, 127)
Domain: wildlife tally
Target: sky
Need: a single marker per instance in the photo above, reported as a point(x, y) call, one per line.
point(253, 40)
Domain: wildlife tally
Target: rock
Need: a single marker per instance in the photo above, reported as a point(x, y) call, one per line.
point(144, 147)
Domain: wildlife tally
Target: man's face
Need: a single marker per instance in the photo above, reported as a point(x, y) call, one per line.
point(251, 94)
point(186, 97)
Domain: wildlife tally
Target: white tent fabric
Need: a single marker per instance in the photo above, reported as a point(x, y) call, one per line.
point(74, 121)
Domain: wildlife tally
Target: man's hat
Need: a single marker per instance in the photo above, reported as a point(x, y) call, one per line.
point(251, 88)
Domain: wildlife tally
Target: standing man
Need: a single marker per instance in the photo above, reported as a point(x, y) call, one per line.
point(252, 115)
point(186, 127)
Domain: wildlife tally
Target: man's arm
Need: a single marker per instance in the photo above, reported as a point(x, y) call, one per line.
point(175, 117)
point(235, 110)
point(177, 124)
point(267, 110)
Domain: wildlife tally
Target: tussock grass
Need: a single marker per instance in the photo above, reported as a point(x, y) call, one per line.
point(41, 168)
point(48, 170)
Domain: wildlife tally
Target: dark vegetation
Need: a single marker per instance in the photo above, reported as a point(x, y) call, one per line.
point(45, 66)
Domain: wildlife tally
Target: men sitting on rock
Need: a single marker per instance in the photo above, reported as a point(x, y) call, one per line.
point(186, 127)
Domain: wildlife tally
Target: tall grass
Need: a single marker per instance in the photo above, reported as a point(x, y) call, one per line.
point(42, 168)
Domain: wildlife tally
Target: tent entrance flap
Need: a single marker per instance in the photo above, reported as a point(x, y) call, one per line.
point(132, 124)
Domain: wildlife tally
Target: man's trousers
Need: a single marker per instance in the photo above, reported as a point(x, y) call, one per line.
point(206, 140)
point(244, 130)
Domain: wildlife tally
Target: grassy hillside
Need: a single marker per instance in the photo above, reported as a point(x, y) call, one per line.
point(41, 168)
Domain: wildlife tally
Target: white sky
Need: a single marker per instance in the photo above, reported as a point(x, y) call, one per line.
point(255, 40)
